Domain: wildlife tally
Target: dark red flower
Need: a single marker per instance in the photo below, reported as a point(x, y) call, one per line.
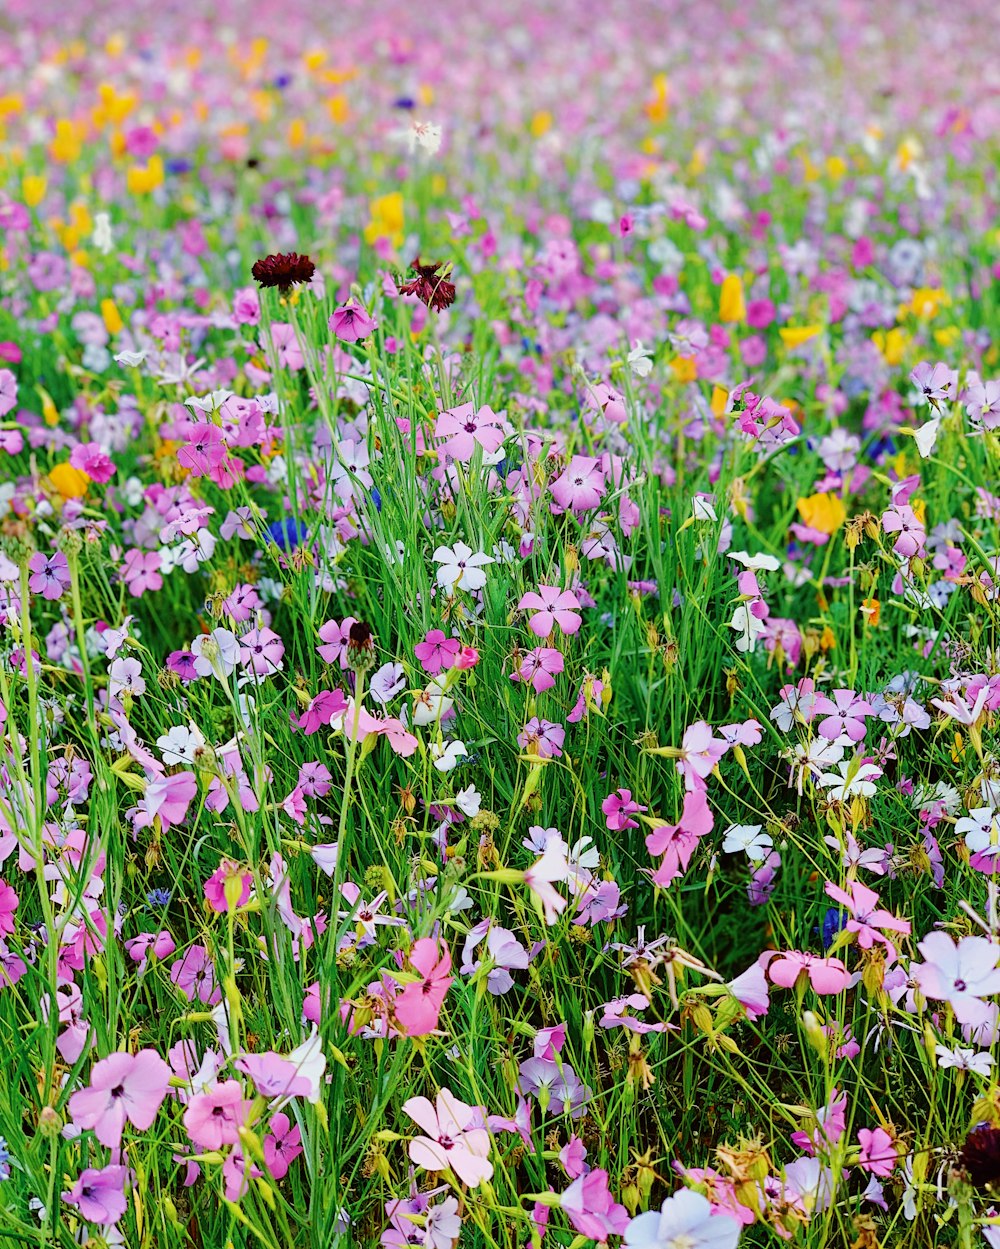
point(429, 287)
point(283, 270)
point(980, 1156)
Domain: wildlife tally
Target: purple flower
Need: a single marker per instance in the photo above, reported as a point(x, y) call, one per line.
point(99, 1195)
point(122, 1086)
point(961, 974)
point(49, 574)
point(844, 716)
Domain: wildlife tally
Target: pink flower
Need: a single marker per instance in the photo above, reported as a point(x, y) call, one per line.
point(351, 323)
point(204, 451)
point(213, 1119)
point(8, 905)
point(829, 1126)
point(451, 1143)
point(591, 1209)
point(194, 975)
point(866, 920)
point(843, 716)
point(552, 607)
point(282, 1145)
point(335, 636)
point(677, 842)
point(826, 975)
point(228, 888)
point(122, 1086)
point(169, 797)
point(542, 738)
point(261, 651)
point(89, 458)
point(418, 1005)
point(463, 427)
point(581, 486)
point(618, 807)
point(539, 668)
point(700, 751)
point(878, 1152)
point(99, 1195)
point(8, 391)
point(140, 571)
point(437, 651)
point(959, 974)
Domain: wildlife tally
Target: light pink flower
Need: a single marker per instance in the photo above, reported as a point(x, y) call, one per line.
point(451, 1142)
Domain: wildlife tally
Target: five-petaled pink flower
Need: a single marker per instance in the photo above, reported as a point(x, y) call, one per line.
point(866, 917)
point(451, 1143)
point(826, 975)
point(419, 1003)
point(122, 1086)
point(552, 607)
point(464, 426)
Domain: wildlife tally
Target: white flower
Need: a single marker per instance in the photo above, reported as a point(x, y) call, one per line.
point(431, 703)
point(926, 436)
point(748, 626)
point(461, 567)
point(852, 779)
point(102, 238)
point(126, 674)
point(965, 1059)
point(979, 830)
point(310, 1063)
point(180, 744)
point(468, 801)
point(639, 360)
point(216, 653)
point(130, 359)
point(756, 563)
point(749, 838)
point(684, 1221)
point(208, 403)
point(424, 134)
point(447, 754)
point(702, 507)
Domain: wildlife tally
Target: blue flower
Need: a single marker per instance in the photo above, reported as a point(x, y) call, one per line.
point(287, 534)
point(377, 498)
point(158, 897)
point(833, 922)
point(4, 1160)
point(177, 165)
point(404, 101)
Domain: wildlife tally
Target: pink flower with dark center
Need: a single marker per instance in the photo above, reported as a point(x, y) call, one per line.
point(204, 451)
point(261, 651)
point(539, 668)
point(141, 571)
point(418, 1005)
point(463, 427)
point(122, 1086)
point(542, 738)
point(282, 1145)
point(843, 716)
point(351, 323)
point(678, 842)
point(437, 652)
point(618, 808)
point(451, 1142)
point(213, 1119)
point(580, 487)
point(49, 574)
point(961, 974)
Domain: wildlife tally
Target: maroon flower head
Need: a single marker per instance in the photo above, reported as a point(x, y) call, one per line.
point(429, 287)
point(283, 270)
point(980, 1156)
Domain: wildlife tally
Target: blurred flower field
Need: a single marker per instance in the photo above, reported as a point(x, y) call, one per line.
point(499, 624)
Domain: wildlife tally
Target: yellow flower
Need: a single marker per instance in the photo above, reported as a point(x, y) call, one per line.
point(871, 609)
point(658, 107)
point(732, 305)
point(541, 123)
point(142, 179)
point(823, 512)
point(927, 301)
point(720, 397)
point(387, 219)
point(892, 344)
point(113, 322)
point(836, 167)
point(66, 146)
point(794, 335)
point(684, 368)
point(338, 108)
point(33, 187)
point(296, 132)
point(70, 482)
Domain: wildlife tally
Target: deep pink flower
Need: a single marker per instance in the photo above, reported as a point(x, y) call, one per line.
point(351, 323)
point(866, 919)
point(418, 1005)
point(228, 888)
point(580, 488)
point(878, 1153)
point(89, 458)
point(618, 808)
point(677, 842)
point(214, 1118)
point(464, 426)
point(282, 1145)
point(437, 652)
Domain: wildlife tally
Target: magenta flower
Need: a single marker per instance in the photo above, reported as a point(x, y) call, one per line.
point(213, 1119)
point(8, 905)
point(581, 485)
point(437, 652)
point(699, 752)
point(335, 638)
point(282, 1145)
point(618, 808)
point(539, 668)
point(463, 427)
point(141, 571)
point(204, 451)
point(169, 797)
point(91, 459)
point(228, 888)
point(122, 1086)
point(843, 716)
point(902, 520)
point(351, 323)
point(451, 1143)
point(49, 574)
point(961, 974)
point(194, 975)
point(552, 607)
point(99, 1195)
point(678, 842)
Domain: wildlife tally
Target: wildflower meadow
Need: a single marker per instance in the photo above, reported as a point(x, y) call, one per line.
point(499, 624)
